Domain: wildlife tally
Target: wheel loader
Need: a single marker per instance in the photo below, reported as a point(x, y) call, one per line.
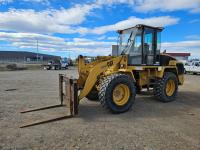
point(115, 80)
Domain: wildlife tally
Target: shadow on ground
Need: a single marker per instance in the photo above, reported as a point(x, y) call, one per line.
point(145, 106)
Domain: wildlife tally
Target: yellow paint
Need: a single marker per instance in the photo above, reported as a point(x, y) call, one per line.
point(121, 94)
point(90, 74)
point(128, 72)
point(172, 63)
point(170, 87)
point(98, 69)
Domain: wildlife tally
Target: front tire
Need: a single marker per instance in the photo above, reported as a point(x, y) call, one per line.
point(117, 93)
point(165, 89)
point(185, 72)
point(93, 95)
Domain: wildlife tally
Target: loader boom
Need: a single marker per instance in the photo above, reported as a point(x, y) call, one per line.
point(94, 72)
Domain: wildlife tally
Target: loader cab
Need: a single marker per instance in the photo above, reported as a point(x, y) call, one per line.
point(141, 43)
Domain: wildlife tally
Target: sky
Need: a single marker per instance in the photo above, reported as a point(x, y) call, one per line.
point(88, 27)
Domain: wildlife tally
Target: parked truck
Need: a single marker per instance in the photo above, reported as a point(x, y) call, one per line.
point(56, 65)
point(192, 67)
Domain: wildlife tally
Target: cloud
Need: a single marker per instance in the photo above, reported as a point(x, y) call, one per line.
point(182, 44)
point(161, 21)
point(29, 40)
point(101, 37)
point(46, 2)
point(195, 10)
point(138, 5)
point(32, 25)
point(166, 5)
point(68, 21)
point(51, 43)
point(191, 46)
point(3, 2)
point(36, 1)
point(46, 21)
point(28, 36)
point(112, 2)
point(25, 41)
point(153, 5)
point(194, 21)
point(132, 21)
point(194, 37)
point(113, 38)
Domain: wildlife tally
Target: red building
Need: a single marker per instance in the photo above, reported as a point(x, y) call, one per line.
point(180, 56)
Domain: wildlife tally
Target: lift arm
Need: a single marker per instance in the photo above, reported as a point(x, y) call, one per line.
point(95, 72)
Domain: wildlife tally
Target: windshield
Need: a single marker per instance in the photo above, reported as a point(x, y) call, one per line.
point(126, 40)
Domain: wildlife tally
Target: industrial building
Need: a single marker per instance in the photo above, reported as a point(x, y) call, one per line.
point(180, 56)
point(25, 57)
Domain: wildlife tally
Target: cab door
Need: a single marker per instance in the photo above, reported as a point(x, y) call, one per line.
point(151, 46)
point(148, 47)
point(135, 53)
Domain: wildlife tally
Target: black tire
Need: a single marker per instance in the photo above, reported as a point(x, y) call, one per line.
point(185, 72)
point(93, 95)
point(106, 92)
point(160, 88)
point(138, 90)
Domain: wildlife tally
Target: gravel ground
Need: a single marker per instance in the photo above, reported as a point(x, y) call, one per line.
point(148, 125)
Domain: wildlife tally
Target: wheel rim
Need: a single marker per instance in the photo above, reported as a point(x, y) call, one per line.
point(121, 94)
point(170, 87)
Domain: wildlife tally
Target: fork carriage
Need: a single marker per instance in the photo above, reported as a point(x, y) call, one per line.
point(68, 95)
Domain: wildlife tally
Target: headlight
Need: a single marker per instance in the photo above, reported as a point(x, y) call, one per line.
point(122, 66)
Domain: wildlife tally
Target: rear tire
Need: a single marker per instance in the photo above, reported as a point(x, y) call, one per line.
point(185, 72)
point(107, 93)
point(164, 92)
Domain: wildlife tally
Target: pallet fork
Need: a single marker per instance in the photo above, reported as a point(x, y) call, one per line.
point(68, 94)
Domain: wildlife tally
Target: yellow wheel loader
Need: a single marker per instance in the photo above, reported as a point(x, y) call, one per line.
point(115, 80)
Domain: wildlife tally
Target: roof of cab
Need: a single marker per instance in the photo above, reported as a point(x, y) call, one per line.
point(142, 26)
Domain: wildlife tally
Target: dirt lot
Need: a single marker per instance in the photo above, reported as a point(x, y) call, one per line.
point(149, 125)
